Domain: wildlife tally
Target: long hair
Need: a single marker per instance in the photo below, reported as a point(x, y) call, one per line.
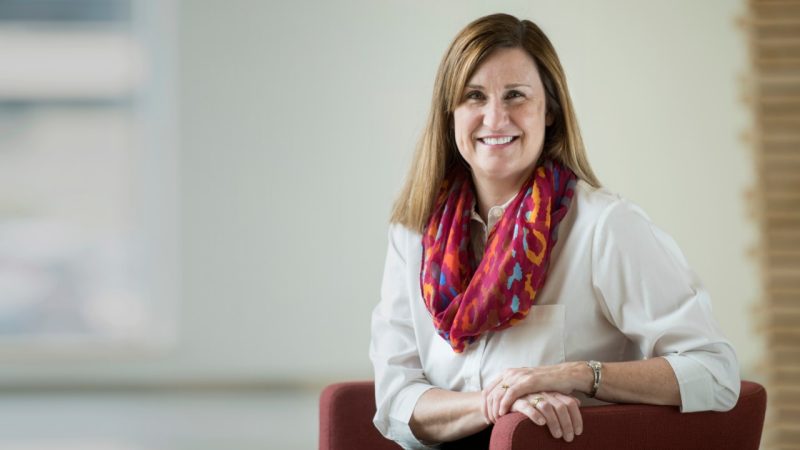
point(437, 156)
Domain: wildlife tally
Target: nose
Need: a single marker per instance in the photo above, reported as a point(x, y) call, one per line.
point(495, 115)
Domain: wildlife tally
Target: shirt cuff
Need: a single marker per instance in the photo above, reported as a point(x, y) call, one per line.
point(401, 415)
point(694, 381)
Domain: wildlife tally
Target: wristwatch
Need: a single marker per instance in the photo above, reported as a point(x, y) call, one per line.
point(597, 368)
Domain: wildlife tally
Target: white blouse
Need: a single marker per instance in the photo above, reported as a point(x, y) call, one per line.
point(618, 289)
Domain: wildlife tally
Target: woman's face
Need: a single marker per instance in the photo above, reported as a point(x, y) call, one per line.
point(500, 123)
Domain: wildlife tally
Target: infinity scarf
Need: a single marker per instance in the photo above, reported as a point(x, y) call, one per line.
point(467, 299)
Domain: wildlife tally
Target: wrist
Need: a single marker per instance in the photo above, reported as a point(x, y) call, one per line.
point(582, 377)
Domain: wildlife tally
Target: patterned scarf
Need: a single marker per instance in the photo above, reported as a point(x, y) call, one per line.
point(467, 299)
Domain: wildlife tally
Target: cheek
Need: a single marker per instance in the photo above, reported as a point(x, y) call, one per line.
point(533, 122)
point(463, 122)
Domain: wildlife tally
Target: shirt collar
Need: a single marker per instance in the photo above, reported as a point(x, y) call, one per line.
point(495, 213)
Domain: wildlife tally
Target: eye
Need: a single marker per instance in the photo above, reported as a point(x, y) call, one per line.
point(514, 94)
point(474, 95)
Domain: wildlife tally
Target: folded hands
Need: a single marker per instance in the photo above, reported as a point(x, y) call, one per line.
point(541, 393)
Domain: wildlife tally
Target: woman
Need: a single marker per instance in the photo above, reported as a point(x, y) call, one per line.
point(513, 281)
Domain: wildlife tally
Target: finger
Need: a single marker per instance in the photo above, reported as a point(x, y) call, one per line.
point(490, 387)
point(516, 389)
point(564, 417)
point(574, 412)
point(491, 394)
point(546, 409)
point(484, 409)
point(537, 418)
point(500, 393)
point(525, 407)
point(520, 383)
point(497, 398)
point(577, 418)
point(508, 398)
point(490, 405)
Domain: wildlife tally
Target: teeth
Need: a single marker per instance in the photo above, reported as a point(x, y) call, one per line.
point(497, 141)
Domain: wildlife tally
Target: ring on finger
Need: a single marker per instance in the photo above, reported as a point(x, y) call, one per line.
point(536, 400)
point(505, 387)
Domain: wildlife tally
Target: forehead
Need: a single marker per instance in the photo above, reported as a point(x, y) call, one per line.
point(506, 66)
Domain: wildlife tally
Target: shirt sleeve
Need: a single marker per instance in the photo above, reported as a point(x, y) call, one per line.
point(399, 378)
point(647, 290)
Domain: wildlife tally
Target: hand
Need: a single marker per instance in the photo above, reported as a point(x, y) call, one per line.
point(559, 411)
point(512, 384)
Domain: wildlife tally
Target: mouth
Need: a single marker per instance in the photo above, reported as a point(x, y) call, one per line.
point(497, 141)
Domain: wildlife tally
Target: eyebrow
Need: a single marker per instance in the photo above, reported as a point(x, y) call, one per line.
point(508, 86)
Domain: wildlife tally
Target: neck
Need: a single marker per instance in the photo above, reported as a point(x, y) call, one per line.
point(493, 192)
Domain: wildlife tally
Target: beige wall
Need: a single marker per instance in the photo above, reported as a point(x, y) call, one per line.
point(297, 120)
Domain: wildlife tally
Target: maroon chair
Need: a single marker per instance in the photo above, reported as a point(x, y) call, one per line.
point(346, 411)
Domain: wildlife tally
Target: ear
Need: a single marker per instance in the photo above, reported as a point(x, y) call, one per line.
point(548, 119)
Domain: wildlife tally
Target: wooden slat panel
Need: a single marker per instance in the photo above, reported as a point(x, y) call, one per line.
point(766, 31)
point(774, 94)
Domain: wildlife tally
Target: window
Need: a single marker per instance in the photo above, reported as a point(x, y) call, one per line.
point(88, 175)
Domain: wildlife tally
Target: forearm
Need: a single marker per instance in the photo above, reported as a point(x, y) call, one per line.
point(651, 381)
point(443, 416)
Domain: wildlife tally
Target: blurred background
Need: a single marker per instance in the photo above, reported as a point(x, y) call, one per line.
point(194, 195)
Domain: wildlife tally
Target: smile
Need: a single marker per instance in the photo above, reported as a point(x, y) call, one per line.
point(497, 140)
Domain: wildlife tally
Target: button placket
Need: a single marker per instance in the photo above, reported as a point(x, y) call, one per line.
point(494, 216)
point(480, 351)
point(472, 367)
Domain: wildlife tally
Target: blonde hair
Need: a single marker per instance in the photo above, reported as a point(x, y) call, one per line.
point(437, 156)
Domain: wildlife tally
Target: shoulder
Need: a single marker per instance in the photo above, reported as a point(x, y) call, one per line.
point(594, 201)
point(604, 208)
point(598, 208)
point(620, 228)
point(609, 220)
point(401, 233)
point(402, 238)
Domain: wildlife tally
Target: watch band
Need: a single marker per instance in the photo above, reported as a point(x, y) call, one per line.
point(597, 369)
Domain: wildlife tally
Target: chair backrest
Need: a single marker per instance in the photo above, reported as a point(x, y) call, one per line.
point(346, 411)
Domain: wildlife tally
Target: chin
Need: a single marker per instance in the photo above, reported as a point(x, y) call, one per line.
point(497, 174)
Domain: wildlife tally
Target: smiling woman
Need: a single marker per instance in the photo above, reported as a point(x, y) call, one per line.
point(513, 281)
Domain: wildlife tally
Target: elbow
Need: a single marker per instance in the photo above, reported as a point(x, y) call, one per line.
point(706, 383)
point(727, 392)
point(726, 401)
point(714, 397)
point(727, 396)
point(382, 426)
point(725, 387)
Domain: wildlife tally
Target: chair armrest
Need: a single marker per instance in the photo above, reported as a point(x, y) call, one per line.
point(646, 426)
point(345, 418)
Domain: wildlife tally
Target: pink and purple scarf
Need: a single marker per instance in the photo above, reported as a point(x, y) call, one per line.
point(468, 299)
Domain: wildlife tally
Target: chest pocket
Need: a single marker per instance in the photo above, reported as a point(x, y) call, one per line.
point(536, 341)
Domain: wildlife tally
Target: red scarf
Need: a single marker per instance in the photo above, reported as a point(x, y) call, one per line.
point(466, 301)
